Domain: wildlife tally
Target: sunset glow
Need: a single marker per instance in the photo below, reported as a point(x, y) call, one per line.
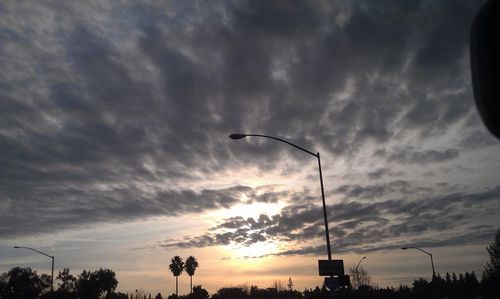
point(115, 152)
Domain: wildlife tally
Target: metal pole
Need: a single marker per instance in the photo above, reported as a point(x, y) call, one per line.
point(432, 264)
point(436, 288)
point(52, 279)
point(327, 232)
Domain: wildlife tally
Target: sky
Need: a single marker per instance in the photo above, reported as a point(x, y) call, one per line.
point(114, 148)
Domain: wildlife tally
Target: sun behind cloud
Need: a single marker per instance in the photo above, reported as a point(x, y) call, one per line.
point(253, 210)
point(256, 250)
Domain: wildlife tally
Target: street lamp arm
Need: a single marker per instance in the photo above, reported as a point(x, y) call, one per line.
point(360, 263)
point(428, 253)
point(276, 138)
point(51, 256)
point(421, 250)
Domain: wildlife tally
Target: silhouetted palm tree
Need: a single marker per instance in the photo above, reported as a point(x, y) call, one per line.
point(191, 265)
point(176, 266)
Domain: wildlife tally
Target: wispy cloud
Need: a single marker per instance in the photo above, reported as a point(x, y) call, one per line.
point(363, 226)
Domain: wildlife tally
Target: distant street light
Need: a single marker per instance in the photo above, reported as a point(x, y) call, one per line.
point(50, 256)
point(360, 263)
point(327, 233)
point(358, 279)
point(428, 253)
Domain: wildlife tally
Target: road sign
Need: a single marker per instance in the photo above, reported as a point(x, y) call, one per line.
point(331, 267)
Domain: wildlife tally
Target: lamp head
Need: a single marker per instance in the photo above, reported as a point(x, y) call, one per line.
point(237, 136)
point(16, 247)
point(404, 248)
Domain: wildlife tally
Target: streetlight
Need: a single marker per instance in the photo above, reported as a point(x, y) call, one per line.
point(327, 233)
point(360, 263)
point(432, 264)
point(357, 273)
point(428, 253)
point(52, 257)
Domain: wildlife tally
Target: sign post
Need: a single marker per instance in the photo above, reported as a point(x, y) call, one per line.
point(334, 270)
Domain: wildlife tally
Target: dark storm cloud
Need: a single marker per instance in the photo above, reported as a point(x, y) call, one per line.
point(413, 156)
point(374, 191)
point(364, 226)
point(117, 204)
point(104, 108)
point(473, 237)
point(382, 172)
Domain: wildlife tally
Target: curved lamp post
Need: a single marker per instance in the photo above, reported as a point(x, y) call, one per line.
point(50, 256)
point(360, 263)
point(428, 253)
point(357, 272)
point(240, 136)
point(436, 289)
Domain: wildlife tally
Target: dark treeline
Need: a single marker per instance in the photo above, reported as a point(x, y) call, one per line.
point(24, 283)
point(453, 286)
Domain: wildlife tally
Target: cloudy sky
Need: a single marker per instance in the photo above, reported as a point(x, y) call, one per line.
point(114, 148)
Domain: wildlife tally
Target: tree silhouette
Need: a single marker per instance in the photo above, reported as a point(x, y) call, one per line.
point(96, 284)
point(359, 277)
point(191, 265)
point(68, 282)
point(491, 272)
point(198, 293)
point(176, 266)
point(21, 283)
